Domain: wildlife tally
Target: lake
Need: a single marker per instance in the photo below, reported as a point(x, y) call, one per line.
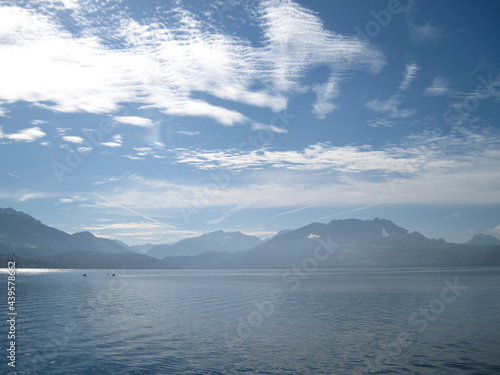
point(399, 321)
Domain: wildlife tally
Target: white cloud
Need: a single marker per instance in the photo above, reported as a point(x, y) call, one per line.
point(28, 196)
point(273, 128)
point(440, 86)
point(187, 132)
point(117, 141)
point(141, 231)
point(313, 236)
point(111, 144)
point(73, 139)
point(135, 120)
point(38, 122)
point(62, 131)
point(84, 150)
point(25, 135)
point(381, 122)
point(494, 231)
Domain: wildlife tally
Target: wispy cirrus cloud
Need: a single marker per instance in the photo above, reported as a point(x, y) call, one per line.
point(425, 33)
point(391, 107)
point(421, 32)
point(440, 86)
point(409, 76)
point(165, 63)
point(325, 95)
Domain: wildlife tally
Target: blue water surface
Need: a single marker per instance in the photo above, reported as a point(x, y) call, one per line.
point(398, 321)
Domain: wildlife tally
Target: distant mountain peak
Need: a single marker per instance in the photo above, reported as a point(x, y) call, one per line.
point(483, 240)
point(219, 240)
point(85, 233)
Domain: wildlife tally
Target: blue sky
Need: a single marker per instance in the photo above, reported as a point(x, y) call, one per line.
point(152, 121)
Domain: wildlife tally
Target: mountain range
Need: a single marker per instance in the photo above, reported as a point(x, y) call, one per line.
point(340, 243)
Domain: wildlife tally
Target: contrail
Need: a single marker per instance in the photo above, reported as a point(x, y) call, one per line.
point(128, 209)
point(226, 214)
point(12, 175)
point(292, 211)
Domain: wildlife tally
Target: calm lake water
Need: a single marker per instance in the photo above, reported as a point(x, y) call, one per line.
point(255, 322)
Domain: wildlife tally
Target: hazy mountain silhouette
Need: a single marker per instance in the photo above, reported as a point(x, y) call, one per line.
point(231, 242)
point(22, 232)
point(483, 240)
point(281, 232)
point(36, 244)
point(142, 249)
